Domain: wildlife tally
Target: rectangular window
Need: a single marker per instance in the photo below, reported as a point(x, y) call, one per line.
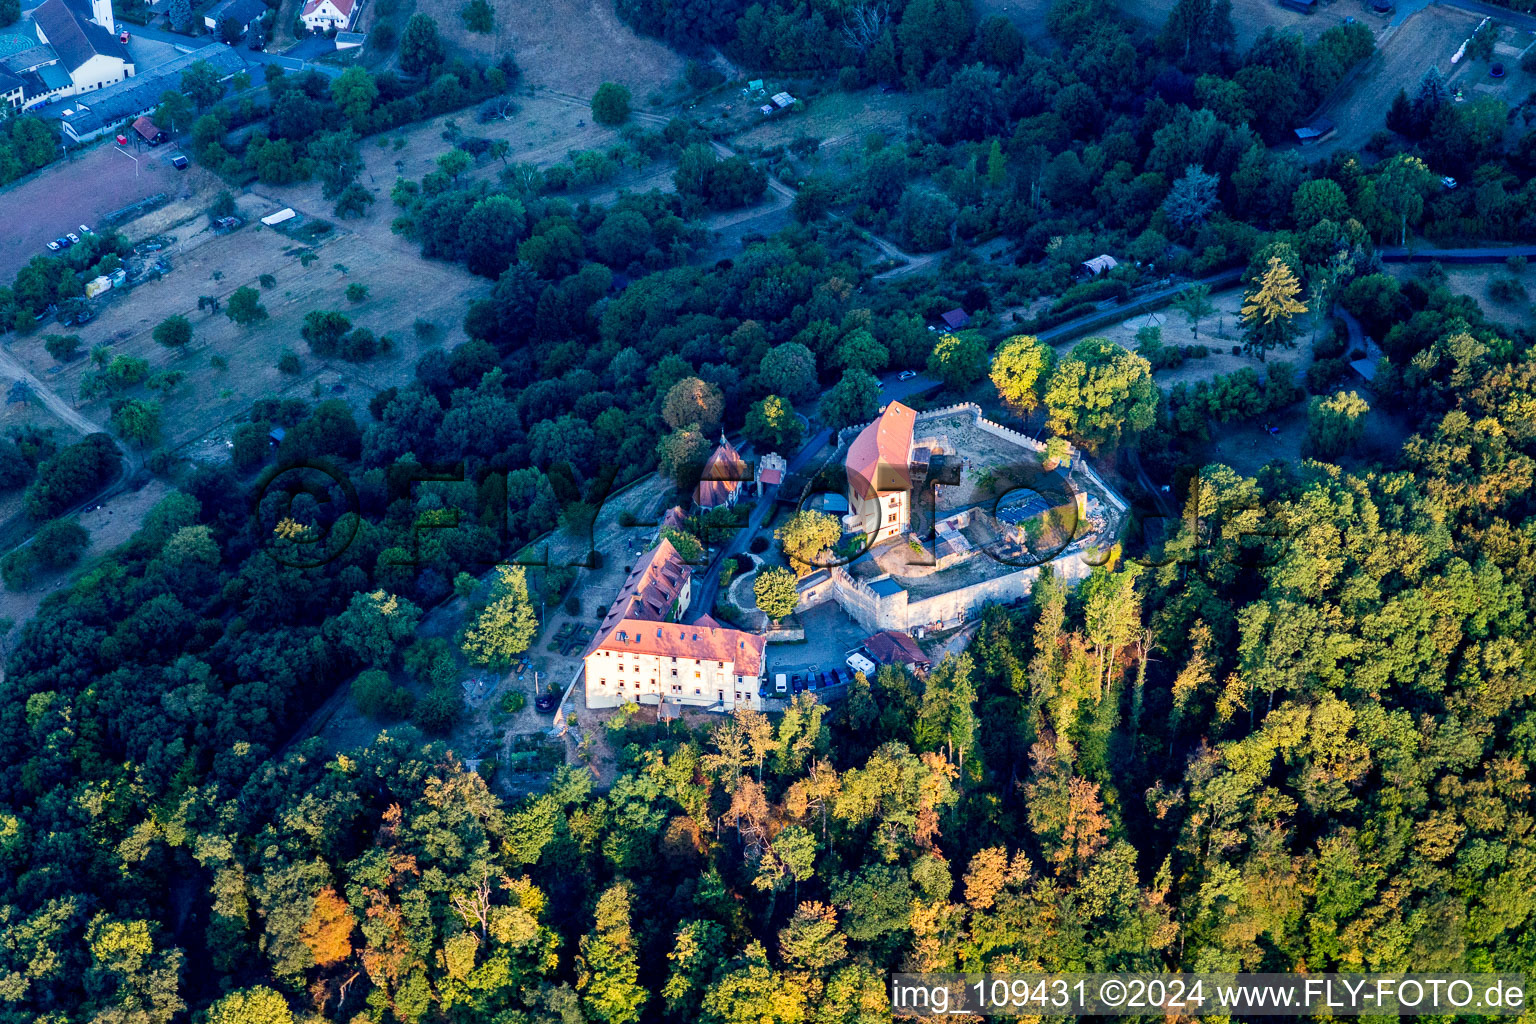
point(891, 518)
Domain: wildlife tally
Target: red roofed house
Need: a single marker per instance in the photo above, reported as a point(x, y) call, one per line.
point(894, 648)
point(724, 473)
point(639, 654)
point(324, 15)
point(880, 475)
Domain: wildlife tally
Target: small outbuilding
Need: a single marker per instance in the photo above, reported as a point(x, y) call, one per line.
point(1317, 131)
point(956, 318)
point(149, 131)
point(1100, 264)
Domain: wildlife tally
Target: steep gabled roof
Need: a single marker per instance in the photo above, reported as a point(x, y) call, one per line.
point(879, 458)
point(74, 39)
point(723, 473)
point(344, 6)
point(651, 589)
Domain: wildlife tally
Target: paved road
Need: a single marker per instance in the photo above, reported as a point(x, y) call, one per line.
point(187, 43)
point(1473, 254)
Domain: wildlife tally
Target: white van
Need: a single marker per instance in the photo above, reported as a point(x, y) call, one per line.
point(859, 663)
point(781, 683)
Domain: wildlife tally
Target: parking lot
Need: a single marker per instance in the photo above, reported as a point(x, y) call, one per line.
point(830, 634)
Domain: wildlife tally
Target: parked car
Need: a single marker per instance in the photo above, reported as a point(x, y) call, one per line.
point(837, 677)
point(547, 700)
point(179, 162)
point(1449, 182)
point(54, 246)
point(821, 680)
point(63, 242)
point(85, 229)
point(796, 684)
point(74, 239)
point(122, 36)
point(879, 383)
point(906, 375)
point(780, 684)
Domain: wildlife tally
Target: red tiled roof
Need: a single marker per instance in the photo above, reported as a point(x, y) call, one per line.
point(890, 647)
point(705, 640)
point(878, 459)
point(723, 473)
point(674, 517)
point(771, 476)
point(652, 587)
point(146, 128)
point(344, 6)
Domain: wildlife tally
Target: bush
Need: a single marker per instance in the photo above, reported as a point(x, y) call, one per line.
point(1506, 289)
point(1325, 373)
point(19, 569)
point(59, 543)
point(513, 702)
point(288, 363)
point(439, 711)
point(377, 696)
point(610, 105)
point(573, 605)
point(758, 545)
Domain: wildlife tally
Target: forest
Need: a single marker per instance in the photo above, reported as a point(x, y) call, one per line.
point(1295, 733)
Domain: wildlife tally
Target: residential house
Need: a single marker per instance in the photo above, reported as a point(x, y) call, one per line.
point(12, 88)
point(879, 471)
point(36, 66)
point(328, 15)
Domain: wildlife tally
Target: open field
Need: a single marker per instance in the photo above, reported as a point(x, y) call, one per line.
point(1248, 447)
point(1251, 17)
point(403, 288)
point(1218, 332)
point(841, 121)
point(1475, 281)
point(1430, 36)
point(574, 45)
point(79, 190)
